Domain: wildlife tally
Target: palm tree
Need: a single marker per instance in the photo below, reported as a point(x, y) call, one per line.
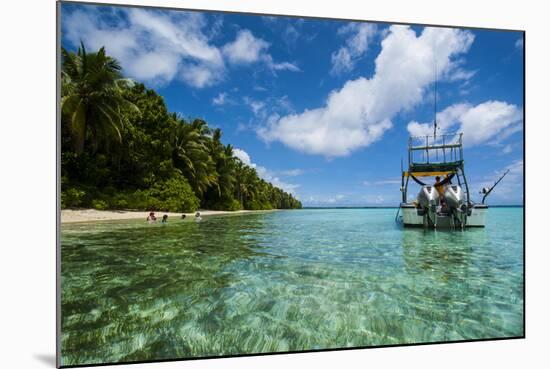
point(191, 156)
point(246, 183)
point(201, 127)
point(92, 100)
point(226, 172)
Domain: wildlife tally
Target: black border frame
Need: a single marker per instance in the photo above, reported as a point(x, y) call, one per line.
point(168, 8)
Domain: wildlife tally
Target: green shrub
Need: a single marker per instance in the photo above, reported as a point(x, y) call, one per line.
point(174, 195)
point(99, 204)
point(119, 200)
point(258, 205)
point(120, 203)
point(228, 204)
point(232, 205)
point(72, 197)
point(138, 200)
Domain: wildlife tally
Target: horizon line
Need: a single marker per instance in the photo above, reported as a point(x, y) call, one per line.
point(394, 207)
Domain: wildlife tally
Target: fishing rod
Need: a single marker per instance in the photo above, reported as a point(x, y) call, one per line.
point(486, 191)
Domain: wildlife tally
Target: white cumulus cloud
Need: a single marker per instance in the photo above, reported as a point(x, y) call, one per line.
point(221, 99)
point(245, 49)
point(274, 67)
point(150, 45)
point(491, 121)
point(292, 172)
point(345, 58)
point(359, 113)
point(243, 156)
point(159, 46)
point(265, 173)
point(248, 49)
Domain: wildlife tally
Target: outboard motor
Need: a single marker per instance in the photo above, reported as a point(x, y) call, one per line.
point(456, 203)
point(428, 196)
point(454, 197)
point(428, 199)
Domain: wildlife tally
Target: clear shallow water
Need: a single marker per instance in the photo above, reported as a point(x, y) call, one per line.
point(287, 280)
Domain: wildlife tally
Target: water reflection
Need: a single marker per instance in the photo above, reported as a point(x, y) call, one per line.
point(447, 253)
point(458, 281)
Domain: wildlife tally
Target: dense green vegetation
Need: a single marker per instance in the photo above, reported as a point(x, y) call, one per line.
point(122, 149)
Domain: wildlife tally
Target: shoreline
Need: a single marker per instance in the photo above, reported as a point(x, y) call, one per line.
point(92, 215)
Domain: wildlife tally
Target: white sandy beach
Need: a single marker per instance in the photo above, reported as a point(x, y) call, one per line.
point(91, 215)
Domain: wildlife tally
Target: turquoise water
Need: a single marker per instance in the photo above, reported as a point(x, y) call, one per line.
point(286, 280)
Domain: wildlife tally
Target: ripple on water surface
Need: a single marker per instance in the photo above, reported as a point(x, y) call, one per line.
point(288, 280)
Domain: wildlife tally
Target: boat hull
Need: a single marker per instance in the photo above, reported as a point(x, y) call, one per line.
point(413, 217)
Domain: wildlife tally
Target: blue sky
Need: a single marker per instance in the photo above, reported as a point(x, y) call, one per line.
point(324, 108)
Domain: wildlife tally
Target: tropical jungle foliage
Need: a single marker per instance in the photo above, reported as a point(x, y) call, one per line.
point(122, 149)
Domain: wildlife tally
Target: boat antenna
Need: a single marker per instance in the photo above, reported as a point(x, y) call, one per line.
point(435, 97)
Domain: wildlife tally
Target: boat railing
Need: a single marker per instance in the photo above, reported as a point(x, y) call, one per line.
point(444, 148)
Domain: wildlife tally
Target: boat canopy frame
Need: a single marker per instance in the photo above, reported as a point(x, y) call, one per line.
point(442, 155)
